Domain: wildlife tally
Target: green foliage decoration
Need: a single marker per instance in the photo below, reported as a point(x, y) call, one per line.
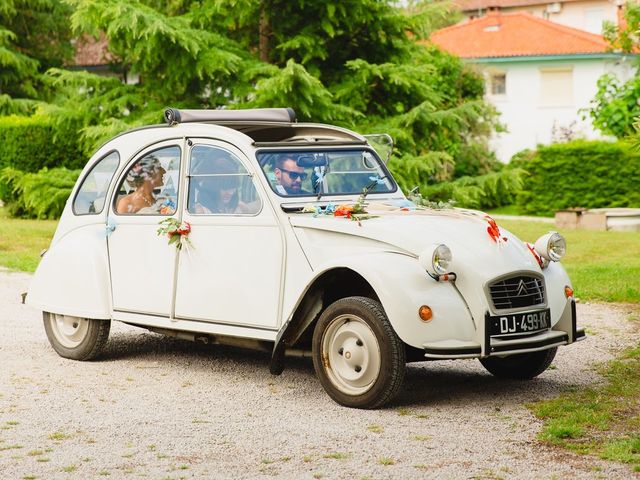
point(38, 195)
point(580, 174)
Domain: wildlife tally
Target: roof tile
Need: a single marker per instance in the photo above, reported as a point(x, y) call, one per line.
point(515, 34)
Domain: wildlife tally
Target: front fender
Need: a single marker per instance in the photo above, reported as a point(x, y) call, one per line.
point(403, 287)
point(556, 279)
point(73, 275)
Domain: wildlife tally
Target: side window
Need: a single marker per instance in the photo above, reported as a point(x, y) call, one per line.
point(219, 184)
point(150, 187)
point(91, 194)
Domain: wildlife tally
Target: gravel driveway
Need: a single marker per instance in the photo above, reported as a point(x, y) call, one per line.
point(159, 408)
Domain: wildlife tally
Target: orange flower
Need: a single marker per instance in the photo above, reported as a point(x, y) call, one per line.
point(494, 230)
point(343, 211)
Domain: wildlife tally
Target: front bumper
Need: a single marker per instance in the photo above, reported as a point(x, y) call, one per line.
point(564, 332)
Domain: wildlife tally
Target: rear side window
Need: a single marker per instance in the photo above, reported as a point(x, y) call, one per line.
point(92, 193)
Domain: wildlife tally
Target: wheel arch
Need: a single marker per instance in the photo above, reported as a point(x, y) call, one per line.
point(328, 286)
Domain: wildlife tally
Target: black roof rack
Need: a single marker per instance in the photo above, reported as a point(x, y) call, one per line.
point(285, 115)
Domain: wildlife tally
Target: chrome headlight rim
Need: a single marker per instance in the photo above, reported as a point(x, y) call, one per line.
point(436, 259)
point(551, 246)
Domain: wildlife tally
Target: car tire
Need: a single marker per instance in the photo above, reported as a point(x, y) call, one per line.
point(76, 338)
point(357, 356)
point(522, 366)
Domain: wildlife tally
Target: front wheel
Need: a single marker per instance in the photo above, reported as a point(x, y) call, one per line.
point(357, 356)
point(76, 337)
point(522, 366)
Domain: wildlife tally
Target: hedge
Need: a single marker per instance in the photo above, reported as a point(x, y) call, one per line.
point(38, 195)
point(579, 174)
point(32, 143)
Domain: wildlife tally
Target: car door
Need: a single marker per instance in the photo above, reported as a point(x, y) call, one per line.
point(232, 272)
point(142, 263)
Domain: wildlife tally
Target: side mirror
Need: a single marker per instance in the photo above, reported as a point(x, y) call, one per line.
point(382, 143)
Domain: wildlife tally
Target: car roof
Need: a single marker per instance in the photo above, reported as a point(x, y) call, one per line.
point(266, 125)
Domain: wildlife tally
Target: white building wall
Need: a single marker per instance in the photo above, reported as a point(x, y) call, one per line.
point(528, 120)
point(587, 15)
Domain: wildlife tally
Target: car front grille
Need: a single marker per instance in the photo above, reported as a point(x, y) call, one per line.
point(517, 292)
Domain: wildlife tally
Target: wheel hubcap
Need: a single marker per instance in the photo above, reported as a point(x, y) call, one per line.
point(69, 331)
point(353, 354)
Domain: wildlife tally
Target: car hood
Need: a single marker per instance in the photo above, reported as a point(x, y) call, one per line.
point(465, 232)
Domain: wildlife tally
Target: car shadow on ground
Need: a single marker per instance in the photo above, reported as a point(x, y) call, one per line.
point(426, 383)
point(458, 382)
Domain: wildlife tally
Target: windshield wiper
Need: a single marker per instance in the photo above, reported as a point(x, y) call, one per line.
point(368, 188)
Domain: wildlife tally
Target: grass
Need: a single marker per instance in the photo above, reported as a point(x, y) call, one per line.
point(509, 210)
point(337, 455)
point(375, 428)
point(21, 241)
point(603, 420)
point(603, 266)
point(59, 436)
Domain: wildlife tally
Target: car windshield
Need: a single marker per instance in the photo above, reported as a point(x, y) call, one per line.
point(325, 172)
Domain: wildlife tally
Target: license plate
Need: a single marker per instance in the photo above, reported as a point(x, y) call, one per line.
point(520, 323)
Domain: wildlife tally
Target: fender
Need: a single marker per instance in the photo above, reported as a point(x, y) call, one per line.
point(556, 279)
point(73, 275)
point(451, 318)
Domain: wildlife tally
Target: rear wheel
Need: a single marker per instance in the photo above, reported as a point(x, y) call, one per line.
point(358, 358)
point(76, 337)
point(522, 366)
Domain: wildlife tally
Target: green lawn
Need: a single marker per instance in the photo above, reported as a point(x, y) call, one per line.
point(603, 420)
point(21, 241)
point(602, 265)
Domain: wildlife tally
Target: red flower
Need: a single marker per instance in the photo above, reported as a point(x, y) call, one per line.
point(494, 230)
point(535, 254)
point(184, 229)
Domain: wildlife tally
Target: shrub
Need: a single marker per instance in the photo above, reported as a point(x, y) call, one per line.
point(38, 195)
point(32, 143)
point(580, 174)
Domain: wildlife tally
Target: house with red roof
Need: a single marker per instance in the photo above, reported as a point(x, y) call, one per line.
point(540, 75)
point(585, 15)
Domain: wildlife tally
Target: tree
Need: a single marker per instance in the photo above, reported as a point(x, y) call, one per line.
point(34, 36)
point(356, 63)
point(615, 106)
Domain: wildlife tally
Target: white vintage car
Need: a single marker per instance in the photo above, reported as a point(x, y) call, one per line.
point(250, 229)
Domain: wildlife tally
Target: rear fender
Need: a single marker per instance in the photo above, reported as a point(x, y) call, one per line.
point(73, 275)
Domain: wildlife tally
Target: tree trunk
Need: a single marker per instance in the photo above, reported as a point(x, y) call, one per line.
point(264, 33)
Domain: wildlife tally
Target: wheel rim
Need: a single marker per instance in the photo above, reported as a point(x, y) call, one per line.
point(353, 354)
point(69, 331)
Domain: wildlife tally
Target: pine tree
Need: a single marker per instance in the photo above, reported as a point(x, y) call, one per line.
point(356, 63)
point(34, 36)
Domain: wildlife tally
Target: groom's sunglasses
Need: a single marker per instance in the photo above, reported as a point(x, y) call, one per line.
point(295, 175)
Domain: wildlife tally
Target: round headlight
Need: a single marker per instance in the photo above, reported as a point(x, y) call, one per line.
point(551, 246)
point(436, 259)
